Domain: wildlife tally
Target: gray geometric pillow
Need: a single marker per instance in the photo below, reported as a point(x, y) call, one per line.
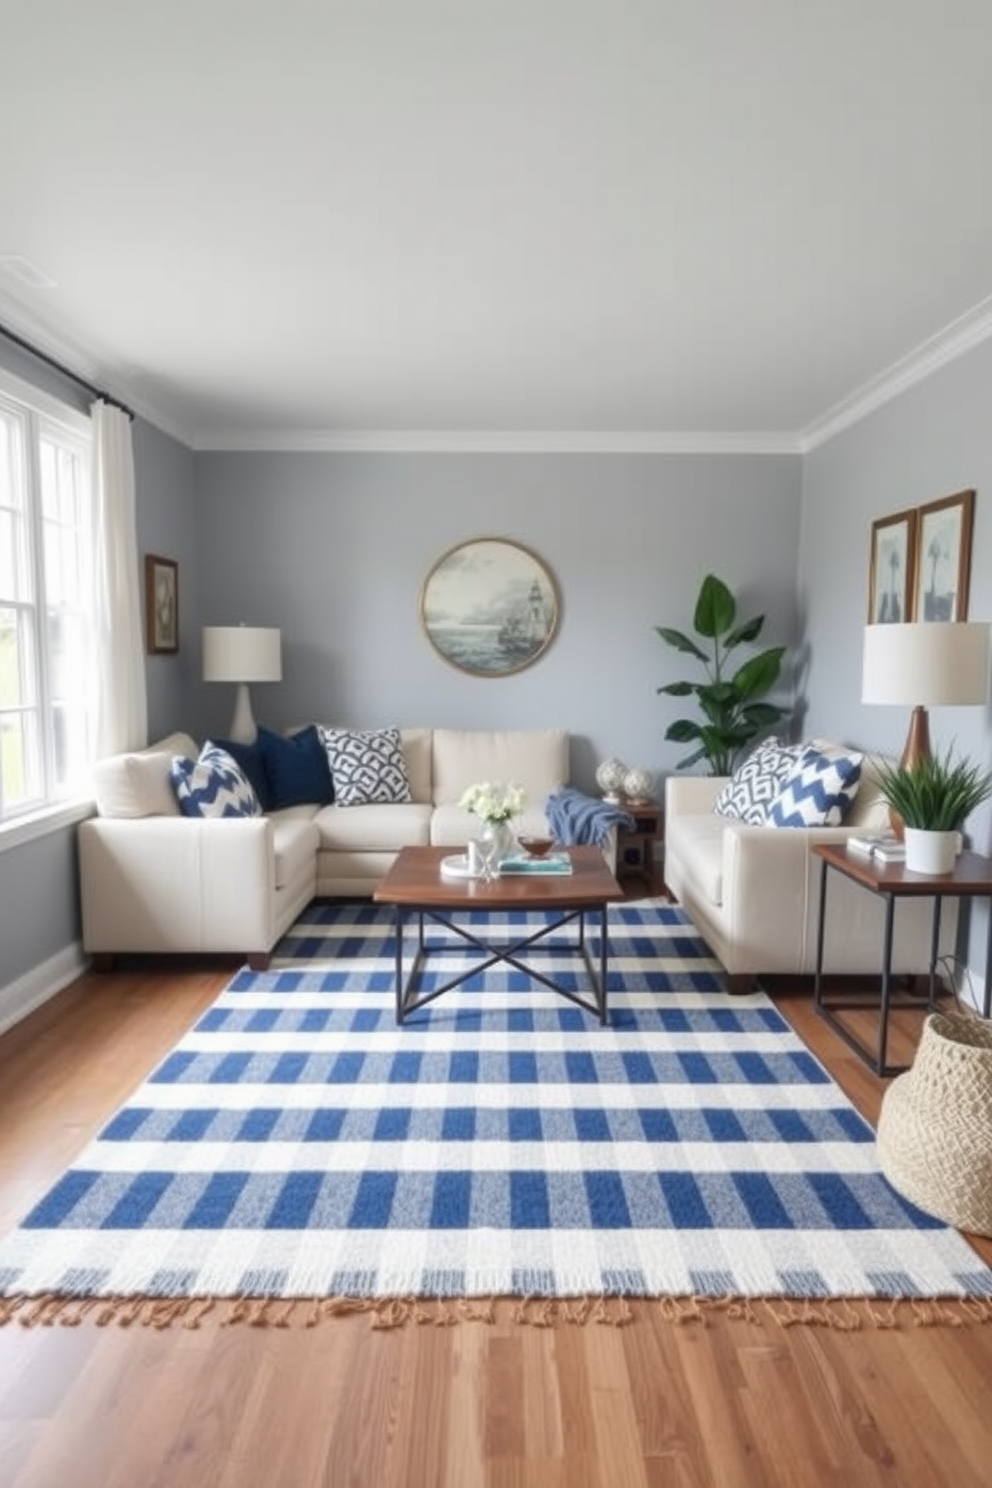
point(754, 786)
point(367, 766)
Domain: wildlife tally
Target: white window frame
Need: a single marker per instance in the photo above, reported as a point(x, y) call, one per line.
point(38, 415)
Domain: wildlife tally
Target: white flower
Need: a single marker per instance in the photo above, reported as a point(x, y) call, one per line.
point(494, 802)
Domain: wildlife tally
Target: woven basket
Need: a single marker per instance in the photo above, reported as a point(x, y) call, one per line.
point(935, 1126)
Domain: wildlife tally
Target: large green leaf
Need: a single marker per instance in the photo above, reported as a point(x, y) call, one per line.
point(715, 608)
point(749, 631)
point(681, 642)
point(683, 731)
point(761, 716)
point(759, 674)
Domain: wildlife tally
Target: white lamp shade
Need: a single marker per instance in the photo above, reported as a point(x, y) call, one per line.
point(928, 665)
point(241, 653)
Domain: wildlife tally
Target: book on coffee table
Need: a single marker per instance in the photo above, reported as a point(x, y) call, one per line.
point(553, 863)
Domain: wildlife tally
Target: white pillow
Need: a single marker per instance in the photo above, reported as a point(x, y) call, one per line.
point(131, 785)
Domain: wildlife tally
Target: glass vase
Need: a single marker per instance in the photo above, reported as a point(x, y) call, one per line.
point(501, 835)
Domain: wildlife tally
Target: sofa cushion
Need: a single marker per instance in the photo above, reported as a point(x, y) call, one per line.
point(368, 766)
point(137, 783)
point(381, 829)
point(537, 759)
point(754, 785)
point(453, 826)
point(296, 768)
point(212, 785)
point(417, 748)
point(819, 789)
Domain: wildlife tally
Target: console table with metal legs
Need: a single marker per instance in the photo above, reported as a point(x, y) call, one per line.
point(970, 878)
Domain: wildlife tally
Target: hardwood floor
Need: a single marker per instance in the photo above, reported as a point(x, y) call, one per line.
point(732, 1404)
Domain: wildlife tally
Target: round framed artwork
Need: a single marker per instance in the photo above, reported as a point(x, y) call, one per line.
point(489, 607)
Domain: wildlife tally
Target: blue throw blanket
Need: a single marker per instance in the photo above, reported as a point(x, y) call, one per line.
point(574, 817)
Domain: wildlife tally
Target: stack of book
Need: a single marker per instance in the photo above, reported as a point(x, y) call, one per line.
point(554, 863)
point(881, 847)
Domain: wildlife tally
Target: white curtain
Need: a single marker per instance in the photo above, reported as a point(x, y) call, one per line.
point(121, 715)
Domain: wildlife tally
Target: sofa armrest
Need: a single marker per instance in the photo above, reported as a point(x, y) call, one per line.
point(172, 884)
point(771, 887)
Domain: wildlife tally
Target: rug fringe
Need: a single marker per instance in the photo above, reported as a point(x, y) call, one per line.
point(842, 1314)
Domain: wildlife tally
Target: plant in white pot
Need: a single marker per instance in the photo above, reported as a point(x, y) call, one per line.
point(934, 796)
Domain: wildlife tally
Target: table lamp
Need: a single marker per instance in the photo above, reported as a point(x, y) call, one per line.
point(921, 665)
point(242, 654)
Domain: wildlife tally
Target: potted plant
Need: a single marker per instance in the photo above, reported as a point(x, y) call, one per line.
point(933, 796)
point(730, 699)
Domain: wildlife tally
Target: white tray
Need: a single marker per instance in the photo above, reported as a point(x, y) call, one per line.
point(457, 867)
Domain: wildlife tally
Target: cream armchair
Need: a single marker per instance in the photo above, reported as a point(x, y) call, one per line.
point(753, 892)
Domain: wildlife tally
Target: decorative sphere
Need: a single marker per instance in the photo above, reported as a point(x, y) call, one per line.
point(637, 784)
point(610, 777)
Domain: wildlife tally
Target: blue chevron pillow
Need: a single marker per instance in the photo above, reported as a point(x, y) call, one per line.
point(213, 785)
point(754, 785)
point(819, 791)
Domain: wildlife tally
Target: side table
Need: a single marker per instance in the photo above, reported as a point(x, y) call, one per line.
point(635, 846)
point(970, 878)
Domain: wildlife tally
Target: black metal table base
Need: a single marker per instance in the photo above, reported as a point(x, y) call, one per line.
point(408, 998)
point(875, 1060)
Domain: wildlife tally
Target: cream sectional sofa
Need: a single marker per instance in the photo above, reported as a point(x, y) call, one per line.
point(753, 891)
point(154, 880)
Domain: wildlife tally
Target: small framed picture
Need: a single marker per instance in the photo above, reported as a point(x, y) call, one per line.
point(161, 605)
point(943, 557)
point(890, 573)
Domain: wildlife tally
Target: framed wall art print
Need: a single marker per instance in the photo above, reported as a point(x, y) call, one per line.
point(489, 606)
point(890, 573)
point(943, 557)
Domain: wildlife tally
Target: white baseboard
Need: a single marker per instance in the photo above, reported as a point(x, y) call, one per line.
point(969, 983)
point(19, 998)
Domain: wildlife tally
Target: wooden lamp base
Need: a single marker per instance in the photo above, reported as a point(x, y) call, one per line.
point(917, 747)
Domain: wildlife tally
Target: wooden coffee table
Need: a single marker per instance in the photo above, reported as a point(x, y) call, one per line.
point(416, 888)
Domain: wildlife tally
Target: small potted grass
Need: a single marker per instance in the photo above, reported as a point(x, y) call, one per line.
point(934, 796)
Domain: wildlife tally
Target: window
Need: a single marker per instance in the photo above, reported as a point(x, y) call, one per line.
point(46, 567)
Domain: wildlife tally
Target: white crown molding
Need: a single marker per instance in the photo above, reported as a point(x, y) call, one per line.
point(481, 441)
point(968, 331)
point(23, 323)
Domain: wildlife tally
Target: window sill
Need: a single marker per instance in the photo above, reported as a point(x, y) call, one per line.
point(28, 828)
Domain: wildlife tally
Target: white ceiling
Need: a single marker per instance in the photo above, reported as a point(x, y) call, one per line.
point(640, 222)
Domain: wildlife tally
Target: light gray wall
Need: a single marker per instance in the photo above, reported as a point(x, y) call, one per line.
point(334, 549)
point(39, 897)
point(164, 474)
point(933, 440)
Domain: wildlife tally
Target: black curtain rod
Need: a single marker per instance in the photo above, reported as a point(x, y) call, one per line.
point(42, 356)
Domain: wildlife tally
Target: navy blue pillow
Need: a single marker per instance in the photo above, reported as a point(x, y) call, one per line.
point(296, 768)
point(252, 761)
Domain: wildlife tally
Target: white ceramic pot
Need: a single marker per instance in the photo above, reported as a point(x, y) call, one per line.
point(930, 852)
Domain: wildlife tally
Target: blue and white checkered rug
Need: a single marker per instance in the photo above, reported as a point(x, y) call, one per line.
point(298, 1144)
